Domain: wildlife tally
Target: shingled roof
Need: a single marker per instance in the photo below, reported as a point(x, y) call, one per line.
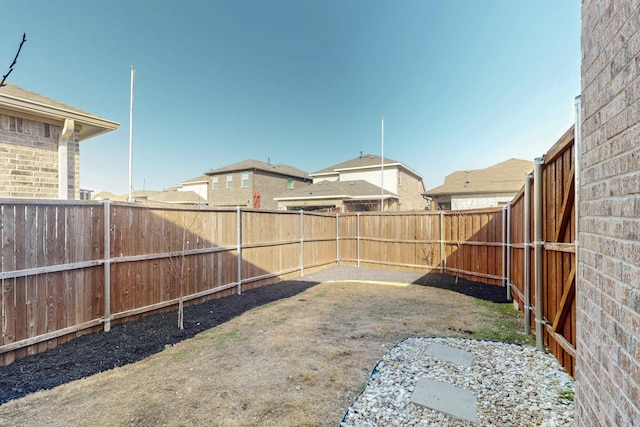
point(362, 162)
point(18, 99)
point(505, 177)
point(251, 164)
point(359, 189)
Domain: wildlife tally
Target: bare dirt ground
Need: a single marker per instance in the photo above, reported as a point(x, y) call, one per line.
point(298, 360)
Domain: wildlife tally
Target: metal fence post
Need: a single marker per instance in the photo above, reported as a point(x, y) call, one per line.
point(527, 254)
point(337, 239)
point(358, 239)
point(239, 248)
point(537, 210)
point(443, 258)
point(301, 243)
point(106, 206)
point(508, 224)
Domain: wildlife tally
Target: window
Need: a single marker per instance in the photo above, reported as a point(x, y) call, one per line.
point(290, 183)
point(229, 180)
point(215, 182)
point(245, 179)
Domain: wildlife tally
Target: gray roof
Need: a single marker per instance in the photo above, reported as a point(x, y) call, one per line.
point(366, 160)
point(505, 177)
point(251, 164)
point(176, 197)
point(196, 180)
point(337, 190)
point(18, 99)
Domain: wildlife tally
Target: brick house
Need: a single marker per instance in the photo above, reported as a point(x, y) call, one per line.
point(356, 185)
point(254, 184)
point(39, 144)
point(481, 188)
point(608, 271)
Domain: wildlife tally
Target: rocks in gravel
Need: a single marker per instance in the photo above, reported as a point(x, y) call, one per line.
point(514, 385)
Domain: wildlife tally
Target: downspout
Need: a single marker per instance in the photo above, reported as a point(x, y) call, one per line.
point(63, 159)
point(527, 254)
point(537, 228)
point(577, 148)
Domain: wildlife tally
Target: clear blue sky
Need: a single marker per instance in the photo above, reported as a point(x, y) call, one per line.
point(462, 84)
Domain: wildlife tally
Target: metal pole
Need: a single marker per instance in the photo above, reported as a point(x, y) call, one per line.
point(107, 265)
point(527, 254)
point(239, 248)
point(133, 72)
point(538, 244)
point(443, 258)
point(382, 171)
point(504, 247)
point(337, 239)
point(358, 239)
point(302, 243)
point(508, 250)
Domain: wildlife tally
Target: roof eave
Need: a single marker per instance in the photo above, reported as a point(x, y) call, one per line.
point(91, 125)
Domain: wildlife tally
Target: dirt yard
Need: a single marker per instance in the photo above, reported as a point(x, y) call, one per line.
point(295, 361)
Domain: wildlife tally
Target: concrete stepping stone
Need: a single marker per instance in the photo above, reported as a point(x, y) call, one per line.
point(446, 398)
point(450, 354)
point(442, 396)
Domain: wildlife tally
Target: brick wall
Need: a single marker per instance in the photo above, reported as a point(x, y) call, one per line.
point(608, 284)
point(29, 153)
point(269, 185)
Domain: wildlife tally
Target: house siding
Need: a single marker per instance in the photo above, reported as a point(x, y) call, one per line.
point(608, 276)
point(478, 201)
point(29, 166)
point(373, 176)
point(410, 191)
point(272, 185)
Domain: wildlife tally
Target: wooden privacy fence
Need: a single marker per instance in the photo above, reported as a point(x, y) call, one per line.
point(71, 267)
point(543, 250)
point(468, 244)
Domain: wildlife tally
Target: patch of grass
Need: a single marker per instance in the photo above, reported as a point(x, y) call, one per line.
point(218, 338)
point(505, 326)
point(567, 395)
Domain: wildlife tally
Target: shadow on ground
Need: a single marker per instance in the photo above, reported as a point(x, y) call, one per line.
point(492, 293)
point(133, 341)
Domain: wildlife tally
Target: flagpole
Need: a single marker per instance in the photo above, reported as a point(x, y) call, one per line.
point(382, 171)
point(133, 71)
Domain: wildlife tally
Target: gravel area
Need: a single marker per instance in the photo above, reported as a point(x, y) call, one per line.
point(514, 385)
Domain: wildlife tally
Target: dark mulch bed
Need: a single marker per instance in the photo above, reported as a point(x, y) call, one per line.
point(133, 341)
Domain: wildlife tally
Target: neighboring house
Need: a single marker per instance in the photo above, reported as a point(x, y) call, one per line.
point(254, 184)
point(198, 185)
point(39, 143)
point(356, 185)
point(171, 196)
point(481, 188)
point(175, 197)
